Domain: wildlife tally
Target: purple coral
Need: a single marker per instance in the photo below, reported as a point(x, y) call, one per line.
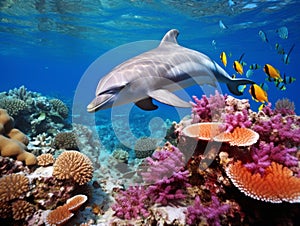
point(267, 153)
point(198, 212)
point(208, 108)
point(279, 130)
point(132, 203)
point(238, 119)
point(166, 175)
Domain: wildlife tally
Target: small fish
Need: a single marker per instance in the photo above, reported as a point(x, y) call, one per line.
point(272, 72)
point(223, 58)
point(238, 67)
point(288, 79)
point(264, 86)
point(249, 73)
point(258, 94)
point(283, 32)
point(254, 66)
point(286, 57)
point(263, 36)
point(242, 88)
point(279, 49)
point(222, 25)
point(214, 43)
point(261, 107)
point(280, 85)
point(233, 76)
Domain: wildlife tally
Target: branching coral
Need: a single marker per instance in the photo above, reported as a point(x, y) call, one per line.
point(13, 106)
point(132, 203)
point(45, 160)
point(267, 153)
point(284, 107)
point(208, 109)
point(197, 213)
point(22, 209)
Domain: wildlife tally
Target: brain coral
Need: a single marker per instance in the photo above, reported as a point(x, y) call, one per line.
point(73, 165)
point(144, 147)
point(13, 106)
point(66, 140)
point(60, 107)
point(22, 209)
point(13, 186)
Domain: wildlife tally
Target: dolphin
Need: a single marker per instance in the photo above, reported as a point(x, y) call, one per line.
point(157, 73)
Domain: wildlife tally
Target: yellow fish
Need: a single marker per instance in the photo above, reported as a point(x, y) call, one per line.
point(258, 93)
point(272, 72)
point(223, 58)
point(238, 67)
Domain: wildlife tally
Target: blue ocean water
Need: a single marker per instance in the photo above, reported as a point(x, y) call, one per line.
point(47, 46)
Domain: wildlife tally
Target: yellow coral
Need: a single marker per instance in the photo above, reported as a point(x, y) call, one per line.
point(73, 165)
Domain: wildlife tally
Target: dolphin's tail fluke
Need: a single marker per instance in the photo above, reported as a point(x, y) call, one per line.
point(234, 84)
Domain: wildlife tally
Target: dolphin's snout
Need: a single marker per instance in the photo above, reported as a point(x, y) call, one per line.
point(102, 101)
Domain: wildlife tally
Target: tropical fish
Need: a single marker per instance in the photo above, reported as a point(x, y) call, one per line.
point(249, 73)
point(238, 67)
point(279, 49)
point(263, 36)
point(280, 85)
point(288, 79)
point(272, 72)
point(264, 86)
point(283, 32)
point(258, 93)
point(222, 25)
point(156, 74)
point(223, 58)
point(286, 57)
point(254, 66)
point(242, 88)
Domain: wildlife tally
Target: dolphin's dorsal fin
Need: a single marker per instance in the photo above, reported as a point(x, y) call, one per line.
point(170, 36)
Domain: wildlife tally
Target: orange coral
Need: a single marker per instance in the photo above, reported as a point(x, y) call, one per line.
point(213, 131)
point(13, 186)
point(203, 131)
point(277, 185)
point(73, 165)
point(45, 160)
point(239, 137)
point(22, 209)
point(59, 216)
point(75, 202)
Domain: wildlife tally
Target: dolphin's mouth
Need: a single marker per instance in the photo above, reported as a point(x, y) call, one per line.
point(102, 101)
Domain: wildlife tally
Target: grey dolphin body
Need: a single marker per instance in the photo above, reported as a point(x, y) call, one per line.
point(156, 74)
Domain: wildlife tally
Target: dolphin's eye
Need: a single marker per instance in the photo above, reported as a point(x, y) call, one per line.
point(112, 90)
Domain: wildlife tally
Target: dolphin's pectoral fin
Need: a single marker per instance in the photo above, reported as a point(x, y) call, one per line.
point(146, 104)
point(166, 97)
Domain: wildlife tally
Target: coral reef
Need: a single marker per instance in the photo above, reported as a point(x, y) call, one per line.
point(34, 113)
point(22, 209)
point(73, 165)
point(12, 141)
point(284, 107)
